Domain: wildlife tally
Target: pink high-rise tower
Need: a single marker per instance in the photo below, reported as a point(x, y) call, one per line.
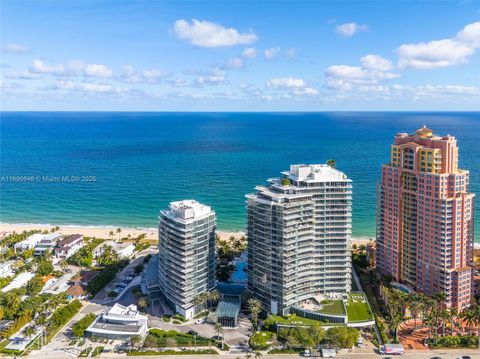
point(425, 217)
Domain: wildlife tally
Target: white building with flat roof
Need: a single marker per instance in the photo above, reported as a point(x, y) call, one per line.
point(124, 250)
point(47, 243)
point(6, 269)
point(119, 322)
point(186, 254)
point(29, 242)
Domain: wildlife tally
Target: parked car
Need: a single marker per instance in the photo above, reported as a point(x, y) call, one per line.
point(307, 353)
point(200, 321)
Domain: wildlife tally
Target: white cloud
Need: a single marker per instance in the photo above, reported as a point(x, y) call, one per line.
point(308, 91)
point(376, 62)
point(271, 52)
point(208, 34)
point(288, 87)
point(349, 29)
point(74, 67)
point(10, 85)
point(234, 63)
point(441, 53)
point(89, 87)
point(23, 75)
point(291, 53)
point(290, 82)
point(95, 70)
point(15, 49)
point(344, 77)
point(215, 77)
point(41, 67)
point(152, 76)
point(437, 90)
point(249, 53)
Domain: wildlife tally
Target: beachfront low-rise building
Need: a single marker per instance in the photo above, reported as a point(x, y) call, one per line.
point(68, 246)
point(6, 269)
point(124, 249)
point(29, 243)
point(119, 322)
point(47, 244)
point(186, 254)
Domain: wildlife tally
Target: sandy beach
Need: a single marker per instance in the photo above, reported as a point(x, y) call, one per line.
point(95, 231)
point(104, 231)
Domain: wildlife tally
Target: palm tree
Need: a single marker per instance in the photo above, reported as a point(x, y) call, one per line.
point(111, 234)
point(219, 331)
point(414, 304)
point(119, 230)
point(258, 355)
point(470, 317)
point(255, 306)
point(13, 301)
point(201, 300)
point(135, 340)
point(63, 264)
point(332, 162)
point(28, 331)
point(214, 296)
point(142, 303)
point(248, 356)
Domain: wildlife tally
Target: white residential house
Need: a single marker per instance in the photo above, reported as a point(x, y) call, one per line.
point(118, 322)
point(124, 250)
point(29, 242)
point(6, 269)
point(48, 243)
point(68, 246)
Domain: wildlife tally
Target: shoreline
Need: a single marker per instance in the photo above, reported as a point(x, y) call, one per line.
point(103, 231)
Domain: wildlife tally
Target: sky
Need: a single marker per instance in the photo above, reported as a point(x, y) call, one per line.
point(240, 55)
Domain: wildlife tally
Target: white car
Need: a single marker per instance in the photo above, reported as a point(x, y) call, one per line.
point(307, 353)
point(200, 321)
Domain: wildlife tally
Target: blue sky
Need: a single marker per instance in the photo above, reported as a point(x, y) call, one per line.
point(240, 56)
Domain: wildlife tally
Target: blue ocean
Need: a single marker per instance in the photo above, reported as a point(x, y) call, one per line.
point(121, 168)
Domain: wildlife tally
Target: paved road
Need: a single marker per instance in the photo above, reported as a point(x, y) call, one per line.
point(353, 355)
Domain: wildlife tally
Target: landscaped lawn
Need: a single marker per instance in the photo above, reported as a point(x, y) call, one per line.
point(357, 309)
point(295, 319)
point(334, 307)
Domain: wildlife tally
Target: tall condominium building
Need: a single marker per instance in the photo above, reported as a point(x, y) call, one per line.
point(186, 254)
point(425, 217)
point(299, 229)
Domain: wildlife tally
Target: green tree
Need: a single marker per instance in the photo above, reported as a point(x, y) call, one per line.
point(28, 331)
point(143, 303)
point(343, 337)
point(317, 333)
point(255, 307)
point(34, 285)
point(214, 296)
point(218, 330)
point(63, 264)
point(108, 256)
point(44, 266)
point(332, 162)
point(78, 329)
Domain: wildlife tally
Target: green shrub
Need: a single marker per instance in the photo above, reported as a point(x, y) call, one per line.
point(78, 329)
point(177, 322)
point(166, 318)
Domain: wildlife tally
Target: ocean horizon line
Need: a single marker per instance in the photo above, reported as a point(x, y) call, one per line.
point(242, 112)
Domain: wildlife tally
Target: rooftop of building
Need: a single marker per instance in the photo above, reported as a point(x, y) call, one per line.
point(69, 240)
point(314, 173)
point(427, 133)
point(33, 239)
point(120, 311)
point(188, 209)
point(115, 245)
